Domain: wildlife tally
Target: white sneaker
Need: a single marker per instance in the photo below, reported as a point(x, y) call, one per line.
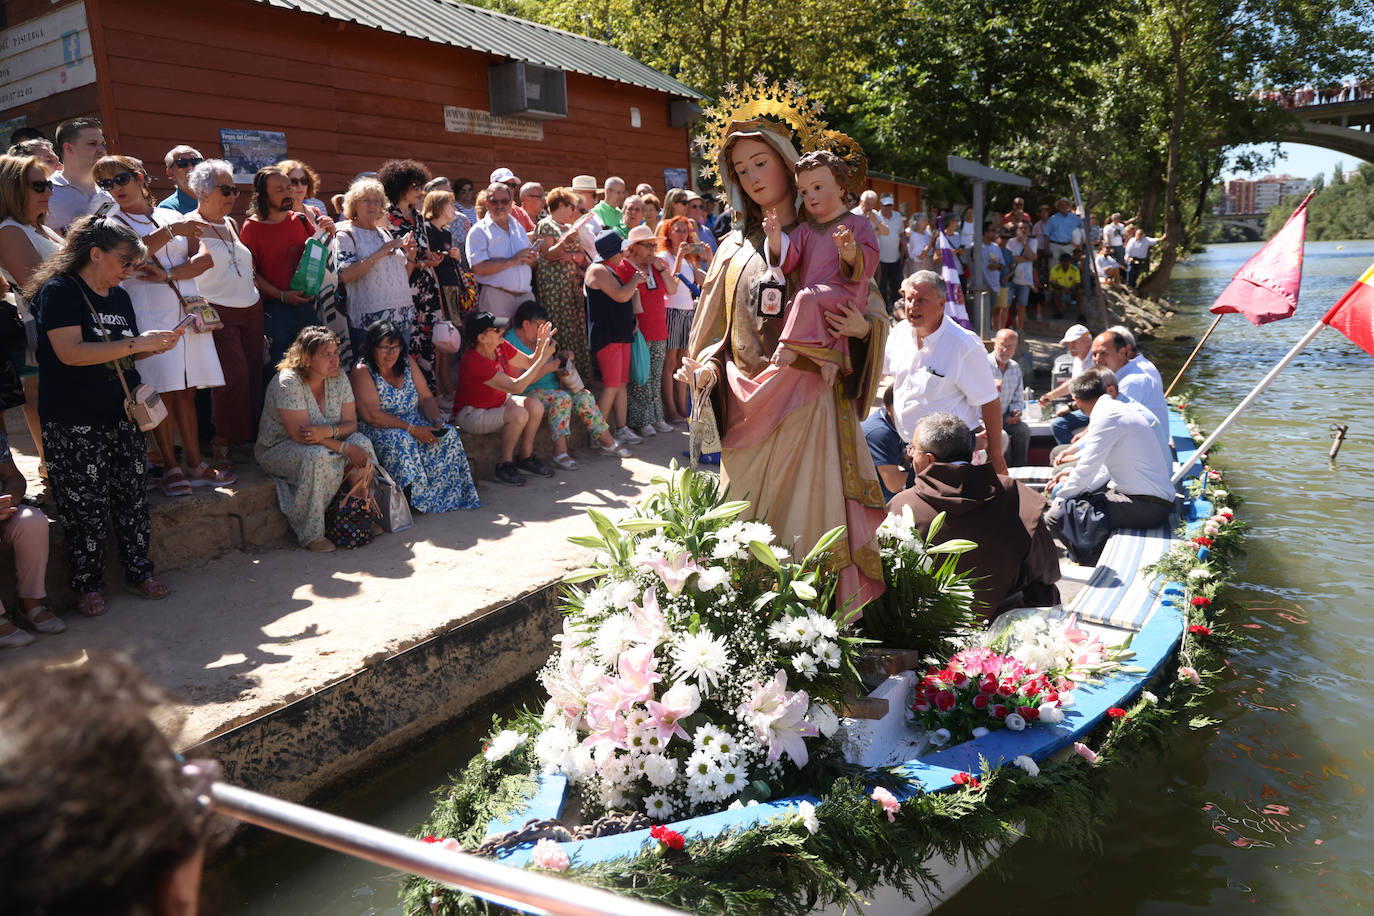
point(647, 431)
point(664, 426)
point(626, 436)
point(17, 639)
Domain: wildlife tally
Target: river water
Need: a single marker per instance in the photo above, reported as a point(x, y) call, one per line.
point(1262, 814)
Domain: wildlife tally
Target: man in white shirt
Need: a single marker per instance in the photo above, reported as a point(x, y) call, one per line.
point(1138, 256)
point(80, 142)
point(1161, 433)
point(937, 366)
point(1118, 450)
point(588, 226)
point(500, 254)
point(1137, 358)
point(891, 252)
point(1110, 352)
point(1022, 250)
point(1114, 234)
point(1108, 268)
point(1078, 341)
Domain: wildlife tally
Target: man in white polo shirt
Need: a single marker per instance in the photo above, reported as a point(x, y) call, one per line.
point(937, 366)
point(500, 254)
point(891, 252)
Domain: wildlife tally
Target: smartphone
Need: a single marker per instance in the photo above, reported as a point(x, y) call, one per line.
point(104, 208)
point(440, 430)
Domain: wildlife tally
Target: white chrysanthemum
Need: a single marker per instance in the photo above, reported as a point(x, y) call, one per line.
point(711, 578)
point(804, 664)
point(702, 658)
point(653, 741)
point(615, 635)
point(827, 653)
point(708, 736)
point(798, 631)
point(826, 627)
point(622, 593)
point(636, 741)
point(704, 789)
point(597, 602)
point(730, 542)
point(824, 718)
point(1027, 764)
point(659, 770)
point(636, 717)
point(503, 744)
point(733, 778)
point(659, 806)
point(757, 531)
point(653, 547)
point(554, 748)
point(579, 765)
point(780, 631)
point(703, 763)
point(612, 795)
point(808, 816)
point(782, 554)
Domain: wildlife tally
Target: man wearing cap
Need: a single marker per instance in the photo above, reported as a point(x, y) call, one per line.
point(891, 252)
point(500, 254)
point(506, 177)
point(180, 161)
point(588, 227)
point(1078, 340)
point(1060, 229)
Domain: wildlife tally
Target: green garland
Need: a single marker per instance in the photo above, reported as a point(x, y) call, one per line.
point(781, 867)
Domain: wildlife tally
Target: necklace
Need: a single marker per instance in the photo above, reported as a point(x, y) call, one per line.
point(233, 255)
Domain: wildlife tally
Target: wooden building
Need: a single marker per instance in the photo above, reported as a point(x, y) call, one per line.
point(343, 85)
point(907, 195)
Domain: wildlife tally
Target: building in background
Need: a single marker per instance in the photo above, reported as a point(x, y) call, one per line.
point(1262, 194)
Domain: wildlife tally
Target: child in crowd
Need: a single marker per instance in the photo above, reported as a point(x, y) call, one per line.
point(838, 255)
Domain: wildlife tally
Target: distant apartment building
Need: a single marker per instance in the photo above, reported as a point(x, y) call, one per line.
point(1262, 194)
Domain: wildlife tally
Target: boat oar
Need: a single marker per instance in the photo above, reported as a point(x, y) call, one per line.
point(1189, 361)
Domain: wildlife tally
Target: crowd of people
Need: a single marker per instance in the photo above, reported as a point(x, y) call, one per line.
point(1352, 90)
point(333, 338)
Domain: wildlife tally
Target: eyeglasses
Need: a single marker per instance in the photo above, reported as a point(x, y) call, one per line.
point(228, 190)
point(498, 201)
point(696, 205)
point(41, 187)
point(303, 182)
point(127, 263)
point(189, 162)
point(120, 180)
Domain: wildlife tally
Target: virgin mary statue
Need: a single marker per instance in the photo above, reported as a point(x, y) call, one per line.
point(791, 445)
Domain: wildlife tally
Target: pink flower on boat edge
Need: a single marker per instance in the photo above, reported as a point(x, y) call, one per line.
point(888, 801)
point(1085, 752)
point(1189, 674)
point(549, 855)
point(675, 572)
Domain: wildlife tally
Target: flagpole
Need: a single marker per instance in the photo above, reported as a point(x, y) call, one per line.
point(1249, 399)
point(1189, 361)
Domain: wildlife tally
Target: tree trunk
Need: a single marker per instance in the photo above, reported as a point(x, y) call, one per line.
point(1149, 199)
point(1153, 285)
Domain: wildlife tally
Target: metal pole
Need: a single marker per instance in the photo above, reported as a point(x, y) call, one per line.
point(1249, 399)
point(1189, 361)
point(524, 890)
point(978, 259)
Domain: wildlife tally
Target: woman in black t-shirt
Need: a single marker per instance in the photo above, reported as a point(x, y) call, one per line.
point(96, 456)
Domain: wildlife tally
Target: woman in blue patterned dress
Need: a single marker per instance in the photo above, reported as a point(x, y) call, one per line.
point(400, 416)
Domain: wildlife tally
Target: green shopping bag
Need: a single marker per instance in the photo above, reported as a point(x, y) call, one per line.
point(639, 360)
point(309, 275)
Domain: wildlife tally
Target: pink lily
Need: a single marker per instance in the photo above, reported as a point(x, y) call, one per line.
point(679, 702)
point(675, 572)
point(636, 681)
point(649, 622)
point(606, 724)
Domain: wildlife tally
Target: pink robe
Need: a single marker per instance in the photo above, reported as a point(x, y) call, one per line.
point(824, 288)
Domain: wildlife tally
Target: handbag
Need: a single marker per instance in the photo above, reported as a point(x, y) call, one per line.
point(350, 515)
point(639, 360)
point(309, 275)
point(143, 406)
point(447, 339)
point(392, 504)
point(570, 378)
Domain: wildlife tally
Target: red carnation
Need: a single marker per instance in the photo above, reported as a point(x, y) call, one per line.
point(966, 779)
point(989, 684)
point(1116, 712)
point(1029, 713)
point(945, 701)
point(430, 839)
point(1202, 602)
point(980, 702)
point(670, 838)
point(1202, 541)
point(1199, 629)
point(960, 680)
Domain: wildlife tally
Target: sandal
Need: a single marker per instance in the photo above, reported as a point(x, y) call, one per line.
point(219, 456)
point(202, 475)
point(44, 624)
point(565, 462)
point(174, 483)
point(90, 604)
point(150, 589)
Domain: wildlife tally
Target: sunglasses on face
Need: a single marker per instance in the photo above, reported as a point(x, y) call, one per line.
point(498, 201)
point(41, 187)
point(228, 190)
point(120, 180)
point(301, 182)
point(417, 186)
point(188, 162)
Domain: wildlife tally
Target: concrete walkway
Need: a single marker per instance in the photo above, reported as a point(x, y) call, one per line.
point(250, 632)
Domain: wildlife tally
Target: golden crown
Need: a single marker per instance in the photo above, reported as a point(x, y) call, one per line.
point(783, 109)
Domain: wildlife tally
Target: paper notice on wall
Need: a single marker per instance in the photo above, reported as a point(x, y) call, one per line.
point(45, 56)
point(250, 150)
point(485, 124)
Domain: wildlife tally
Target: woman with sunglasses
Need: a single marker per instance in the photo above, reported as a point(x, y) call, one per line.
point(158, 289)
point(97, 461)
point(228, 284)
point(404, 181)
point(25, 242)
point(305, 184)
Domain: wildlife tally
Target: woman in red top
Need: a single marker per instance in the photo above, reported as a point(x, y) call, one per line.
point(644, 409)
point(488, 400)
point(276, 236)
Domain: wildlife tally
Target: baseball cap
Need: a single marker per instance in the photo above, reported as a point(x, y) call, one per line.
point(476, 323)
point(503, 175)
point(1074, 332)
point(886, 199)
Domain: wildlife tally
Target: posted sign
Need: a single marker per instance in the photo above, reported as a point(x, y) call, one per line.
point(45, 56)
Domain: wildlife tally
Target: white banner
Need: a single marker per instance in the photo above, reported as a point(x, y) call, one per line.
point(45, 56)
point(484, 123)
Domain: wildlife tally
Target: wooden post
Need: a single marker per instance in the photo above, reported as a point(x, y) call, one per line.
point(1189, 361)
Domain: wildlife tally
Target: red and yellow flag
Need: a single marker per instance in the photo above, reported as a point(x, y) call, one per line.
point(1353, 315)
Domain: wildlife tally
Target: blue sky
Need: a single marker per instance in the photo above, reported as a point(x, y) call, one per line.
point(1302, 161)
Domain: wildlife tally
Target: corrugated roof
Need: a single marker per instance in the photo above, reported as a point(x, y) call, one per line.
point(464, 26)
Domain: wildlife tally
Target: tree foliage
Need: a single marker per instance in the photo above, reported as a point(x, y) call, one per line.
point(1340, 210)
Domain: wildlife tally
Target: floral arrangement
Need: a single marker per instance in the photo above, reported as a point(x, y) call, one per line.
point(979, 689)
point(701, 666)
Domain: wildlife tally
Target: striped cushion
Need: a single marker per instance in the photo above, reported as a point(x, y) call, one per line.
point(1117, 593)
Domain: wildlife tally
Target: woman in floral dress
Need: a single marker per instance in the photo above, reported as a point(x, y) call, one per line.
point(400, 416)
point(557, 281)
point(404, 181)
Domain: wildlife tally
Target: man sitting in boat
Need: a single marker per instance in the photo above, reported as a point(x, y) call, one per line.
point(1161, 433)
point(1112, 351)
point(1016, 561)
point(1118, 449)
point(1078, 341)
